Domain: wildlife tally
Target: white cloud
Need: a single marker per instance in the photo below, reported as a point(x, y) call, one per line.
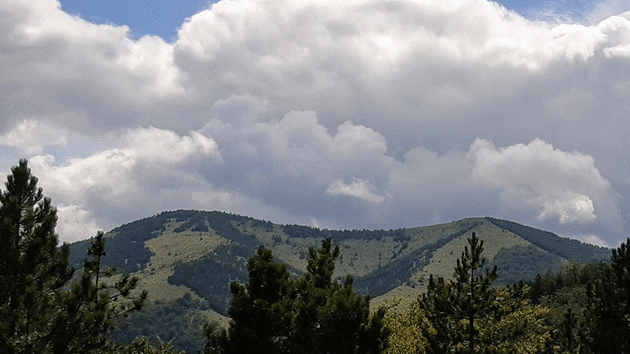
point(568, 208)
point(32, 136)
point(75, 224)
point(54, 62)
point(144, 153)
point(298, 148)
point(617, 30)
point(357, 188)
point(149, 164)
point(296, 163)
point(164, 146)
point(261, 107)
point(558, 184)
point(593, 240)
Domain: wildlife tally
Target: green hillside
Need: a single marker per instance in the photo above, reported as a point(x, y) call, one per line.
point(186, 260)
point(573, 250)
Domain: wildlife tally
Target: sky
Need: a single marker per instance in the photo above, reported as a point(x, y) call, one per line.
point(373, 114)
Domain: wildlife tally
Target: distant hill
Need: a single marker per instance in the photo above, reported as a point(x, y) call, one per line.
point(187, 258)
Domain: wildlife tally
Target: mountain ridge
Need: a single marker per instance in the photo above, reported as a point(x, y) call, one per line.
point(187, 258)
point(379, 260)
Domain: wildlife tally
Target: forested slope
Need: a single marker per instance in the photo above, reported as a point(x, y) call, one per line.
point(194, 255)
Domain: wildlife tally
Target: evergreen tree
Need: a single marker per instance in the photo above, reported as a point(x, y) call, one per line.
point(258, 321)
point(329, 316)
point(91, 307)
point(321, 265)
point(609, 303)
point(40, 311)
point(274, 313)
point(455, 306)
point(473, 289)
point(32, 268)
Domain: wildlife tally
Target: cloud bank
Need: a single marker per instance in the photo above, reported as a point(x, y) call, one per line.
point(560, 185)
point(361, 114)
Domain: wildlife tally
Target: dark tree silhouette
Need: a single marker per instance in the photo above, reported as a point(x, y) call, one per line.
point(274, 313)
point(40, 310)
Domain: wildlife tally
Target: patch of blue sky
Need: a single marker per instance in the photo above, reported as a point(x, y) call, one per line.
point(552, 10)
point(160, 17)
point(164, 17)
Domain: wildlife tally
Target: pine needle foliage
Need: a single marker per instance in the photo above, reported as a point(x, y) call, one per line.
point(41, 310)
point(277, 313)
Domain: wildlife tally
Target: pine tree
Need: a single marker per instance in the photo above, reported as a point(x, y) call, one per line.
point(32, 268)
point(329, 316)
point(473, 288)
point(274, 313)
point(40, 310)
point(256, 309)
point(610, 304)
point(91, 307)
point(321, 264)
point(620, 264)
point(456, 305)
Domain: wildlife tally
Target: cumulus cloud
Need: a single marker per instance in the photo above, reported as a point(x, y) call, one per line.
point(286, 109)
point(293, 161)
point(149, 162)
point(55, 62)
point(32, 136)
point(357, 188)
point(163, 146)
point(558, 184)
point(75, 224)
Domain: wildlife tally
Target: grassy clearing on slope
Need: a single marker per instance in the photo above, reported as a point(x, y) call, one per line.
point(361, 257)
point(444, 259)
point(426, 235)
point(169, 249)
point(292, 251)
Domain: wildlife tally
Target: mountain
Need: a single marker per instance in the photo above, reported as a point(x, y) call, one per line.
point(186, 260)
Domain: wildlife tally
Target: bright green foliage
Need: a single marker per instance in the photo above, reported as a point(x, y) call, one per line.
point(40, 312)
point(274, 313)
point(409, 329)
point(516, 326)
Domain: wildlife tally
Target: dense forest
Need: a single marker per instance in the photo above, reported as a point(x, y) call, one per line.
point(48, 304)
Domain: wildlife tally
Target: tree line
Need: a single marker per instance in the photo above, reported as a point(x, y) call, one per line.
point(46, 306)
